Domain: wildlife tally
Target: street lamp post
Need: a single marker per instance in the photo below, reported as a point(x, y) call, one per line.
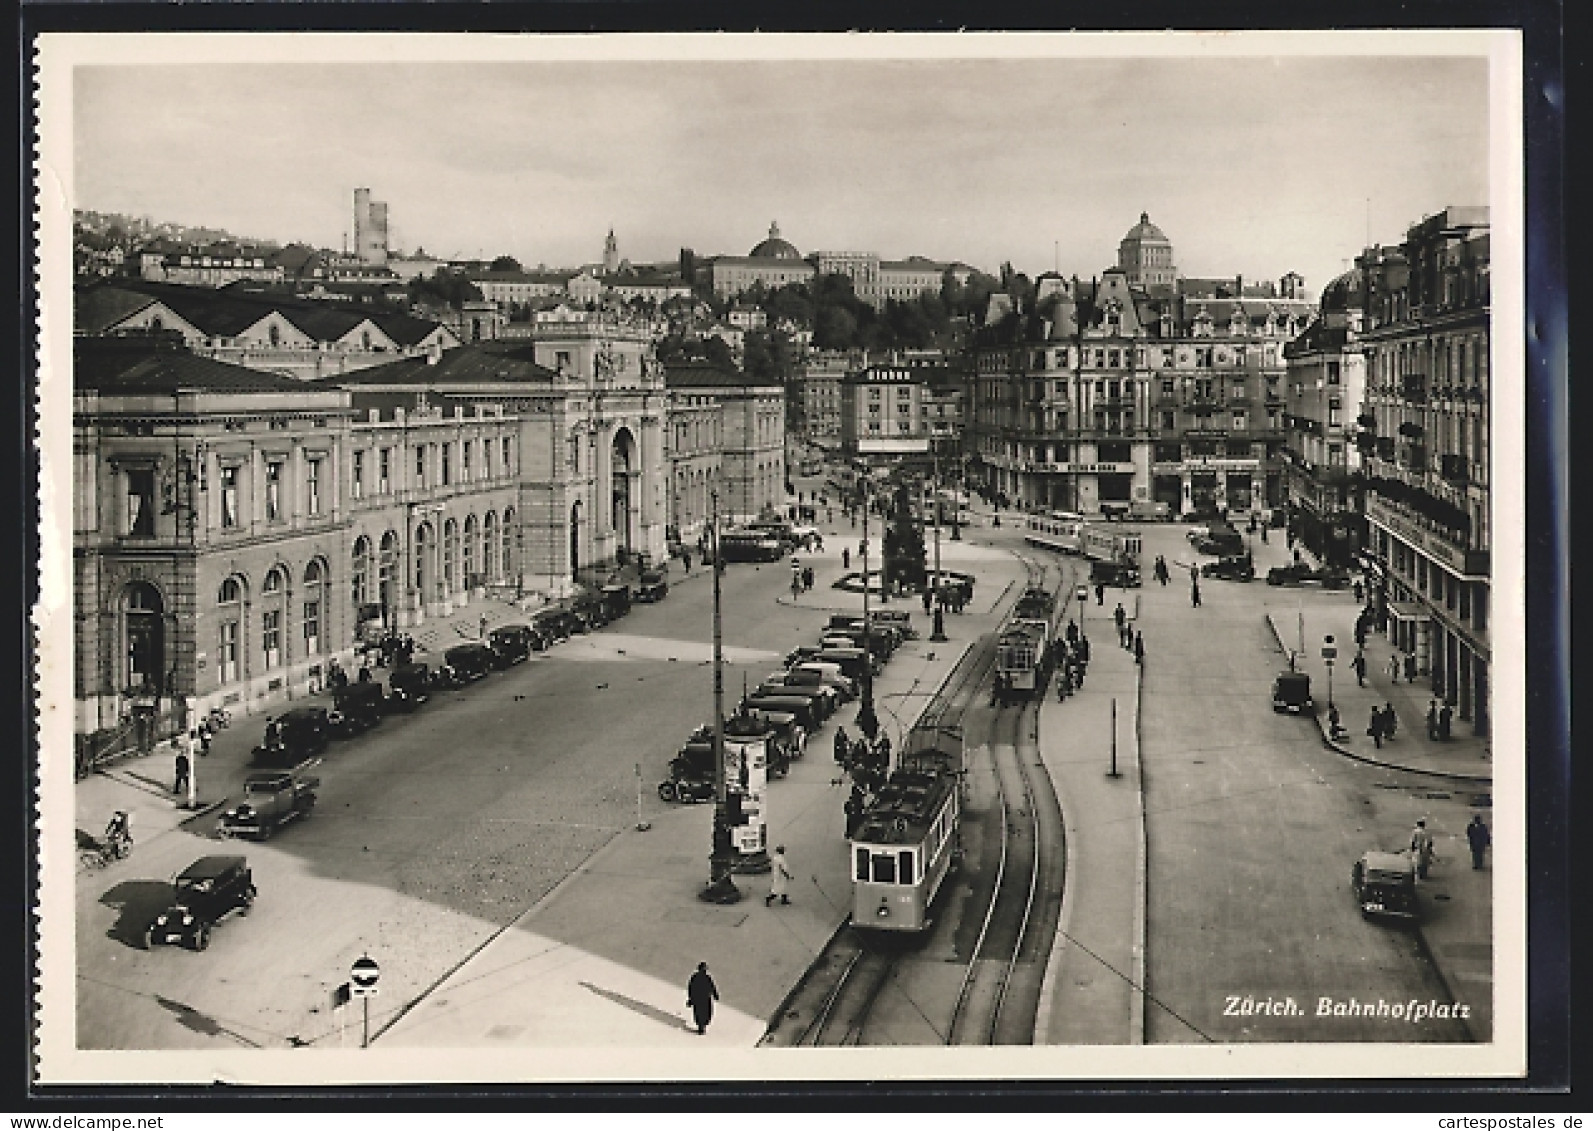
point(938, 636)
point(867, 720)
point(721, 887)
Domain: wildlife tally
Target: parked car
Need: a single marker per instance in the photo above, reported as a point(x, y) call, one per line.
point(691, 771)
point(1299, 573)
point(1384, 883)
point(356, 707)
point(1291, 692)
point(616, 599)
point(294, 737)
point(652, 587)
point(511, 644)
point(1222, 540)
point(410, 685)
point(270, 800)
point(1232, 567)
point(549, 626)
point(466, 663)
point(587, 612)
point(203, 894)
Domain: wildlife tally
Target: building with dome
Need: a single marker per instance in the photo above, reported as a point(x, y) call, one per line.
point(1140, 391)
point(1145, 256)
point(774, 262)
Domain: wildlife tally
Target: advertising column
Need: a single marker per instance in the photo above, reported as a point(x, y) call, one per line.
point(747, 777)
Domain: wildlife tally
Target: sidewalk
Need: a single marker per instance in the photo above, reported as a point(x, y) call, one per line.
point(1456, 924)
point(1094, 986)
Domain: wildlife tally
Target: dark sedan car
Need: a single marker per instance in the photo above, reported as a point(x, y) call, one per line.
point(1234, 567)
point(652, 587)
point(410, 685)
point(204, 893)
point(294, 737)
point(466, 663)
point(511, 644)
point(1299, 573)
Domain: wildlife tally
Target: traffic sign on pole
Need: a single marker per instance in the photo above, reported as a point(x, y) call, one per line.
point(363, 975)
point(1330, 650)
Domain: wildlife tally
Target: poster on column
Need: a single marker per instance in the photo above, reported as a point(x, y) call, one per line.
point(747, 771)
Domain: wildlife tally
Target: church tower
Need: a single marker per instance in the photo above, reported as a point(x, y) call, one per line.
point(611, 259)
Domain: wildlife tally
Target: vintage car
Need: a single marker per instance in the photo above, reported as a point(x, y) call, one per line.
point(270, 800)
point(855, 663)
point(652, 587)
point(616, 599)
point(466, 663)
point(1119, 574)
point(691, 771)
point(203, 893)
point(551, 625)
point(1230, 567)
point(830, 675)
point(356, 707)
point(1291, 693)
point(898, 619)
point(1384, 883)
point(587, 612)
point(825, 699)
point(410, 685)
point(1299, 573)
point(808, 709)
point(511, 644)
point(294, 737)
point(1220, 539)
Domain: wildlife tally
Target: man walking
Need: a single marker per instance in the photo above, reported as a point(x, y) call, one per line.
point(1374, 728)
point(1194, 593)
point(701, 993)
point(184, 768)
point(1358, 665)
point(1421, 848)
point(1139, 647)
point(1432, 720)
point(1100, 593)
point(779, 879)
point(1478, 837)
point(1410, 667)
point(1393, 668)
point(1119, 616)
point(1446, 713)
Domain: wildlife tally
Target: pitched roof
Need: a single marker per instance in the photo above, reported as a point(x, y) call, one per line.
point(463, 365)
point(705, 374)
point(160, 364)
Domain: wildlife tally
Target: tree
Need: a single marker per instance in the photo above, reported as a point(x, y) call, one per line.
point(506, 263)
point(834, 328)
point(444, 288)
point(904, 545)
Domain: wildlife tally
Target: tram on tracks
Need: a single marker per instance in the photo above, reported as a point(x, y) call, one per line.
point(904, 846)
point(1058, 530)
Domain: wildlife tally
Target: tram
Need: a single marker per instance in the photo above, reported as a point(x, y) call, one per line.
point(1059, 530)
point(902, 849)
point(1021, 654)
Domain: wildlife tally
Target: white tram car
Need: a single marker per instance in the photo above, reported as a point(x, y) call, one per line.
point(1020, 656)
point(1059, 530)
point(902, 850)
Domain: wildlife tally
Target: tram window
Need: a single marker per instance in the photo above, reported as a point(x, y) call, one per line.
point(884, 868)
point(862, 865)
point(906, 859)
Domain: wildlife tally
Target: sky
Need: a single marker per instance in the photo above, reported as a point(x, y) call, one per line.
point(1255, 162)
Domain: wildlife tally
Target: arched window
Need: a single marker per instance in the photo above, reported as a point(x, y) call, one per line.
point(314, 607)
point(489, 547)
point(506, 544)
point(470, 551)
point(450, 575)
point(272, 616)
point(144, 628)
point(229, 630)
point(360, 575)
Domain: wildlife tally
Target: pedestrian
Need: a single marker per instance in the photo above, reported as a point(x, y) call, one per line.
point(807, 577)
point(701, 993)
point(685, 560)
point(928, 598)
point(1359, 592)
point(1073, 633)
point(1335, 730)
point(1421, 849)
point(1478, 837)
point(1100, 594)
point(796, 584)
point(1084, 648)
point(1410, 667)
point(1139, 647)
point(1374, 728)
point(184, 767)
point(1358, 665)
point(842, 745)
point(1119, 616)
point(1446, 715)
point(779, 879)
point(1390, 721)
point(204, 737)
point(483, 633)
point(1393, 668)
point(846, 557)
point(1432, 720)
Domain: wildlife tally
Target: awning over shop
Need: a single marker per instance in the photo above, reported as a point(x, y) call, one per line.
point(1408, 610)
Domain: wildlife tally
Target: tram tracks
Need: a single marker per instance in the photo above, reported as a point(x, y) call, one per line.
point(838, 1004)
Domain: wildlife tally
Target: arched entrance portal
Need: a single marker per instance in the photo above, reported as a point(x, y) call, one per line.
point(620, 476)
point(575, 539)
